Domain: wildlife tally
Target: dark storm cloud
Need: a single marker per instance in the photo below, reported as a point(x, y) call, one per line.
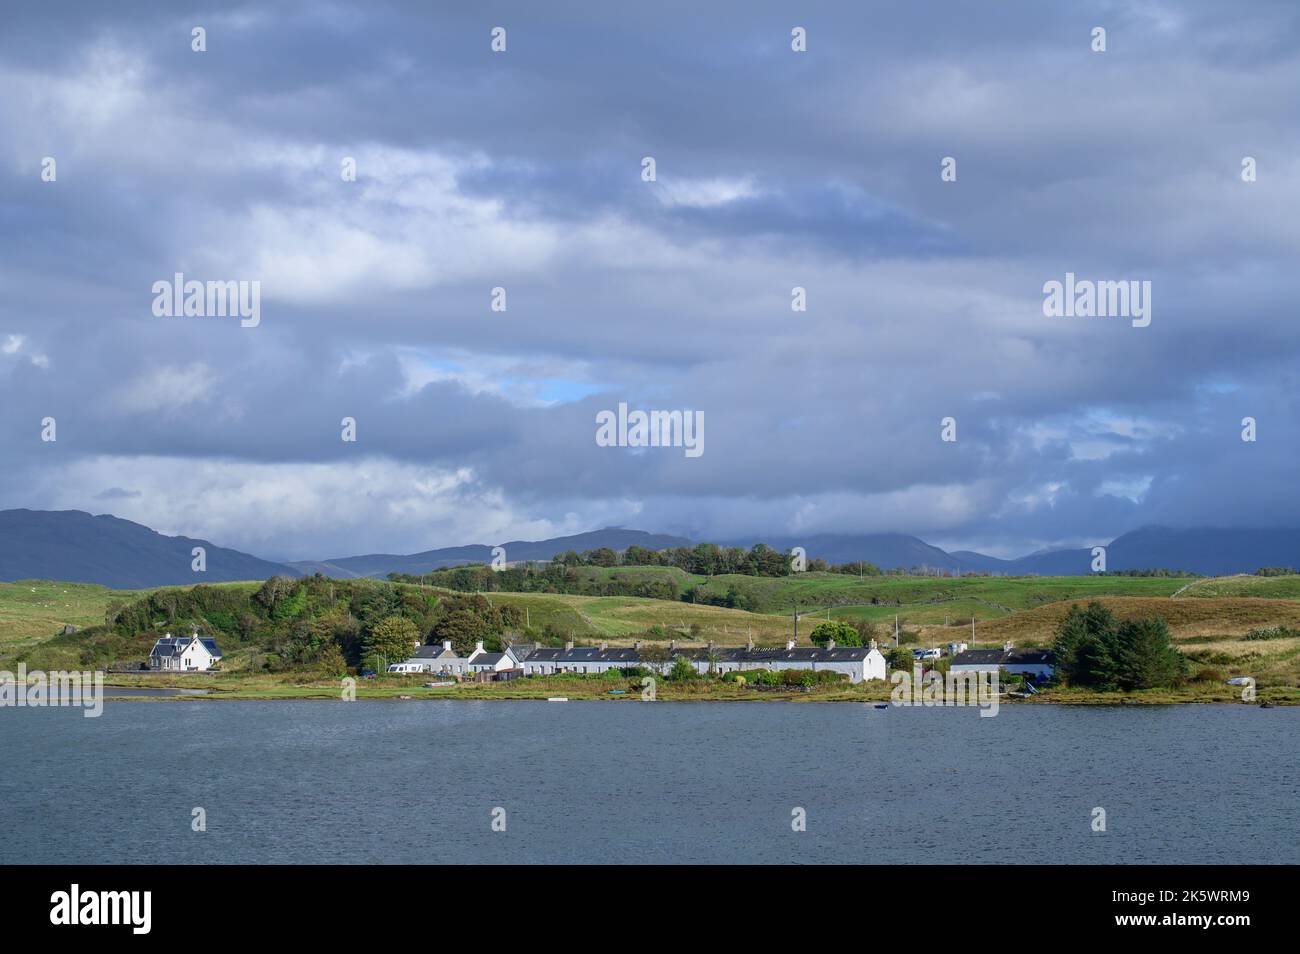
point(775, 170)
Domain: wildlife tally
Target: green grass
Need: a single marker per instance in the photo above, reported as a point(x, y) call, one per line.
point(1259, 587)
point(34, 610)
point(934, 598)
point(621, 617)
point(1208, 619)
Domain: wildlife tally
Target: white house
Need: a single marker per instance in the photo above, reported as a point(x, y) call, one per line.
point(859, 663)
point(480, 661)
point(184, 653)
point(439, 659)
point(1034, 663)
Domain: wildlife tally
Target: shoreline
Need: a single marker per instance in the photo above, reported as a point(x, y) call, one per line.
point(600, 691)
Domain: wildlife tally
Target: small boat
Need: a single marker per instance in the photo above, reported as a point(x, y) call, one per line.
point(1267, 705)
point(618, 692)
point(882, 705)
point(557, 698)
point(438, 685)
point(406, 697)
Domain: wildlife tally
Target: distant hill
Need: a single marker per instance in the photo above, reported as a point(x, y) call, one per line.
point(1210, 551)
point(517, 551)
point(77, 547)
point(1207, 550)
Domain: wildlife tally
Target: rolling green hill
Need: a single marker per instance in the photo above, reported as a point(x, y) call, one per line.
point(1212, 616)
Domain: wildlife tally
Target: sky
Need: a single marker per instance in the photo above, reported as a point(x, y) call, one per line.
point(774, 169)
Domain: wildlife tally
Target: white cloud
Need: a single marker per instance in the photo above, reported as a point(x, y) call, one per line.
point(167, 388)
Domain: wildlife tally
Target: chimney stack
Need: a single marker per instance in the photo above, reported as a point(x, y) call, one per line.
point(446, 645)
point(750, 644)
point(568, 646)
point(672, 644)
point(872, 645)
point(636, 644)
point(1006, 647)
point(830, 644)
point(478, 647)
point(604, 646)
point(789, 644)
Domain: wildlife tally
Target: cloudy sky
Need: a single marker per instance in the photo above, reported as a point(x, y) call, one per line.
point(775, 169)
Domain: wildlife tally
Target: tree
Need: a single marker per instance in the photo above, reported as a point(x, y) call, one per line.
point(463, 628)
point(394, 638)
point(331, 661)
point(1082, 648)
point(900, 658)
point(1093, 650)
point(844, 634)
point(1146, 658)
point(682, 670)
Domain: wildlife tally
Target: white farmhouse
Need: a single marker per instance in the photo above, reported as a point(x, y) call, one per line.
point(439, 659)
point(859, 663)
point(184, 653)
point(1036, 664)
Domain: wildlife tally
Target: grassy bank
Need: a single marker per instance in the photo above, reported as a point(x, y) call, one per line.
point(261, 686)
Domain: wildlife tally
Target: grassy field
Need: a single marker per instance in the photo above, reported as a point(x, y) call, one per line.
point(926, 599)
point(622, 617)
point(1261, 587)
point(34, 610)
point(1208, 619)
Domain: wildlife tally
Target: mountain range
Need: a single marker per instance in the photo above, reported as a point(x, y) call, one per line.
point(78, 547)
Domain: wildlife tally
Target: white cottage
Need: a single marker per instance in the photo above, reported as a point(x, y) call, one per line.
point(184, 653)
point(439, 659)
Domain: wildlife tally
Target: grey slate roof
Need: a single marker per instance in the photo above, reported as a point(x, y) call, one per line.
point(979, 657)
point(487, 659)
point(168, 646)
point(1004, 657)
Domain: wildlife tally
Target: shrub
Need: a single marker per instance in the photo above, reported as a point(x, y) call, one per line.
point(1271, 632)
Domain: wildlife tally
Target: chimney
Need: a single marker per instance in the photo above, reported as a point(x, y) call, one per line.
point(636, 644)
point(1006, 647)
point(789, 644)
point(750, 644)
point(712, 645)
point(568, 646)
point(478, 647)
point(830, 644)
point(604, 646)
point(872, 644)
point(672, 644)
point(446, 645)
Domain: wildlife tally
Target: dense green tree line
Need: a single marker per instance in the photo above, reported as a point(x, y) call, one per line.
point(1095, 650)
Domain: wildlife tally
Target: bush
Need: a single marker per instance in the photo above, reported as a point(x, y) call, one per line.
point(1271, 632)
point(682, 670)
point(843, 633)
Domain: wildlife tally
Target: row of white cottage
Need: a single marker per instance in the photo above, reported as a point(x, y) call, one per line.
point(859, 663)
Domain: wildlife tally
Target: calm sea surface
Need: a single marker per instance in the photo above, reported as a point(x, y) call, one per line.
point(637, 782)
